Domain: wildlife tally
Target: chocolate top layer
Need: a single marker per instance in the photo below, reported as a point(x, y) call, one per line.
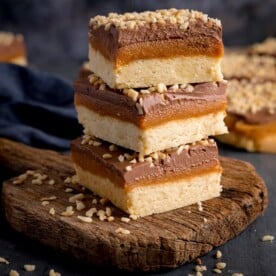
point(169, 32)
point(153, 108)
point(200, 157)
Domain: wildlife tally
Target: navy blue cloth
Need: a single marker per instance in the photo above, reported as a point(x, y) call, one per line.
point(36, 108)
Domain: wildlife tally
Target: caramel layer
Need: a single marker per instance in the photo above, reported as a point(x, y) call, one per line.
point(195, 160)
point(122, 46)
point(158, 108)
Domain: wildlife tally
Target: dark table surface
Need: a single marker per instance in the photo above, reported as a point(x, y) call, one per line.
point(246, 253)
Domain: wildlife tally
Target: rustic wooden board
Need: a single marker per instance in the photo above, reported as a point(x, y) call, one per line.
point(162, 241)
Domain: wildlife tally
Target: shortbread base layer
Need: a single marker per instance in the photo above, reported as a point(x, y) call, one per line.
point(164, 136)
point(150, 72)
point(157, 198)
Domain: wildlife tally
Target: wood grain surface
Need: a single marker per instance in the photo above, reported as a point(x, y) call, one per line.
point(156, 242)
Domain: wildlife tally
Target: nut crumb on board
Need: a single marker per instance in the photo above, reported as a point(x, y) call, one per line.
point(3, 261)
point(266, 238)
point(29, 267)
point(52, 272)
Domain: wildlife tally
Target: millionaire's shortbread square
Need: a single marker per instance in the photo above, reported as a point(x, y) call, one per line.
point(165, 46)
point(12, 48)
point(152, 119)
point(151, 184)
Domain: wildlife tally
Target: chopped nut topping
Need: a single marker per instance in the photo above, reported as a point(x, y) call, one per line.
point(4, 261)
point(73, 198)
point(37, 181)
point(179, 150)
point(237, 274)
point(132, 21)
point(131, 93)
point(107, 156)
point(52, 211)
point(85, 219)
point(122, 231)
point(161, 88)
point(29, 267)
point(189, 88)
point(45, 203)
point(266, 238)
point(128, 168)
point(139, 109)
point(124, 219)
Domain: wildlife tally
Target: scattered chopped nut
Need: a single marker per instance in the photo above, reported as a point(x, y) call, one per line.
point(266, 238)
point(85, 219)
point(122, 231)
point(200, 208)
point(48, 198)
point(121, 158)
point(76, 197)
point(52, 211)
point(237, 274)
point(161, 88)
point(29, 267)
point(90, 212)
point(133, 217)
point(79, 205)
point(107, 156)
point(128, 168)
point(103, 201)
point(200, 268)
point(108, 211)
point(124, 219)
point(68, 212)
point(53, 273)
point(69, 190)
point(111, 218)
point(13, 273)
point(217, 271)
point(94, 201)
point(112, 148)
point(218, 254)
point(220, 265)
point(4, 261)
point(45, 203)
point(51, 182)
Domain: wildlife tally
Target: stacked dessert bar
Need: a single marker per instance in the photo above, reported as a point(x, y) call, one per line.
point(154, 96)
point(12, 48)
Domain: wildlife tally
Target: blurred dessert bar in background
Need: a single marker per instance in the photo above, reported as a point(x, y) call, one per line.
point(251, 97)
point(12, 48)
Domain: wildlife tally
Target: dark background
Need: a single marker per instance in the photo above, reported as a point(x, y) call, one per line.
point(56, 30)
